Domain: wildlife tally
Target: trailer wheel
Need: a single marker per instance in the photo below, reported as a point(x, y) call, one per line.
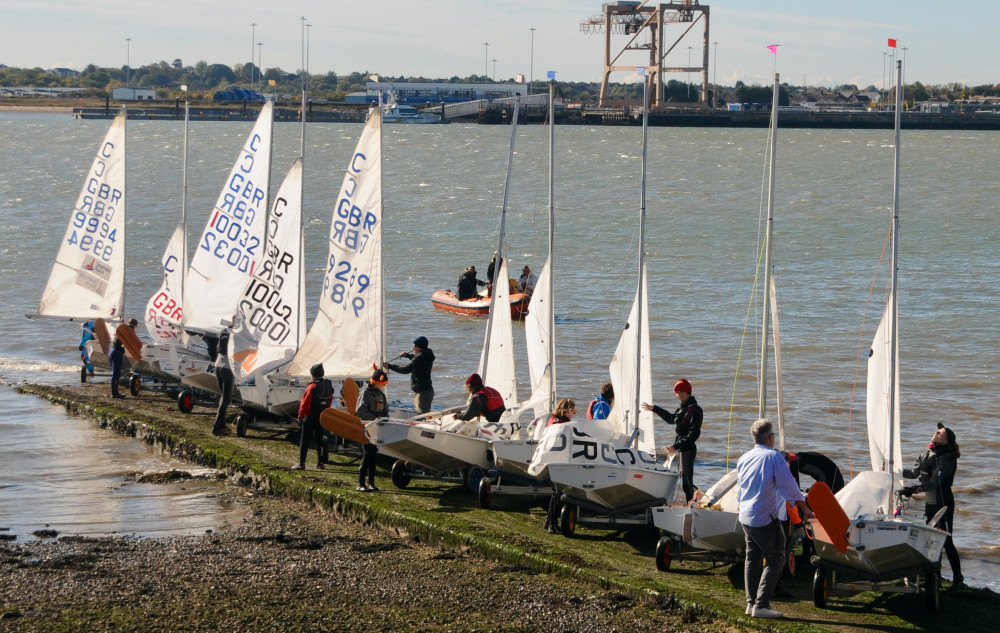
point(791, 565)
point(485, 493)
point(134, 384)
point(932, 592)
point(242, 421)
point(185, 401)
point(664, 553)
point(821, 587)
point(473, 475)
point(567, 520)
point(400, 474)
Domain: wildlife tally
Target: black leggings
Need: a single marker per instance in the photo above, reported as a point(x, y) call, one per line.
point(367, 464)
point(687, 472)
point(949, 545)
point(311, 430)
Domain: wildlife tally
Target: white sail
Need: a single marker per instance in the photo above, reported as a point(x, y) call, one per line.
point(882, 426)
point(232, 244)
point(269, 322)
point(778, 387)
point(87, 279)
point(626, 382)
point(164, 310)
point(538, 334)
point(348, 335)
point(496, 363)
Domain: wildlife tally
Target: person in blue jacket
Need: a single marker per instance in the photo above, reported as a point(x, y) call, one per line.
point(600, 407)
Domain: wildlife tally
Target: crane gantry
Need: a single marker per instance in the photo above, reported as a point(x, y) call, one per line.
point(634, 18)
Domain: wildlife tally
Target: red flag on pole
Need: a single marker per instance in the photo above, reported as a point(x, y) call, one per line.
point(892, 43)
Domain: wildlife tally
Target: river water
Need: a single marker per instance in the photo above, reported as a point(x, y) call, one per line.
point(443, 190)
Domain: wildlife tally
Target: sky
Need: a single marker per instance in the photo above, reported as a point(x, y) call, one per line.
point(820, 43)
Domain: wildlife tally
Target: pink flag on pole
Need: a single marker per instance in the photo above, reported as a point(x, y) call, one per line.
point(892, 43)
point(773, 48)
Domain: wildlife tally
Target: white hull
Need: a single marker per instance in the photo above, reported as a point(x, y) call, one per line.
point(165, 360)
point(703, 528)
point(512, 457)
point(281, 399)
point(426, 445)
point(883, 546)
point(615, 487)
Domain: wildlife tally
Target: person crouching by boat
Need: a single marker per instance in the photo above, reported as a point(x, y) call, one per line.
point(317, 398)
point(764, 483)
point(483, 401)
point(600, 407)
point(419, 368)
point(224, 376)
point(565, 409)
point(687, 427)
point(935, 470)
point(468, 285)
point(117, 358)
point(372, 405)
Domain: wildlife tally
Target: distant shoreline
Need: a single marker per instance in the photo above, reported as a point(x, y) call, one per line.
point(35, 108)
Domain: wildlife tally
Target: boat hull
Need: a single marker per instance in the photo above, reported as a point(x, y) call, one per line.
point(427, 446)
point(882, 547)
point(512, 457)
point(704, 528)
point(614, 487)
point(480, 306)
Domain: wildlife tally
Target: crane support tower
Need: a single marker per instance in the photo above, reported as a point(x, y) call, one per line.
point(635, 19)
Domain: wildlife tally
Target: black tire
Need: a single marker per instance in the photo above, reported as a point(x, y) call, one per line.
point(400, 474)
point(932, 592)
point(473, 475)
point(185, 401)
point(821, 588)
point(664, 553)
point(134, 384)
point(791, 565)
point(567, 520)
point(485, 493)
point(242, 421)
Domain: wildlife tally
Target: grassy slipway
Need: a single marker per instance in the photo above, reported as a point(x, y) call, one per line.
point(445, 515)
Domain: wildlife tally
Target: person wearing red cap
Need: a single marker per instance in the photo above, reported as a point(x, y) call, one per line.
point(687, 426)
point(372, 405)
point(483, 401)
point(935, 470)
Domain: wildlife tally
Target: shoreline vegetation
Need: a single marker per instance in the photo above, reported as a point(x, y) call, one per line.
point(315, 553)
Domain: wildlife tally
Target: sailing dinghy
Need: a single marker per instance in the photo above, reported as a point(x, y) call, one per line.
point(863, 531)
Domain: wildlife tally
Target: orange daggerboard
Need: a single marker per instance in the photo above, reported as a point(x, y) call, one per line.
point(101, 332)
point(349, 392)
point(130, 340)
point(831, 517)
point(343, 424)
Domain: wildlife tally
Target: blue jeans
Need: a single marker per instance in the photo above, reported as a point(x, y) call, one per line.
point(766, 543)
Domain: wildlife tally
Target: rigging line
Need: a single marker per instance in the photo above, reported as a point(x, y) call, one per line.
point(861, 351)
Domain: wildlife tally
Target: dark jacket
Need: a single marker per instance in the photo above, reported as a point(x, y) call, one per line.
point(935, 471)
point(372, 403)
point(687, 423)
point(419, 369)
point(468, 286)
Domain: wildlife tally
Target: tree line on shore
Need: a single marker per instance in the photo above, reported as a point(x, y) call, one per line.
point(204, 79)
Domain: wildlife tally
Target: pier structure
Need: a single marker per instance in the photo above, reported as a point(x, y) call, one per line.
point(635, 20)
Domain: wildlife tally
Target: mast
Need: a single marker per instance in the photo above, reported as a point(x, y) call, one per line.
point(552, 231)
point(893, 300)
point(765, 303)
point(503, 223)
point(121, 305)
point(642, 253)
point(184, 188)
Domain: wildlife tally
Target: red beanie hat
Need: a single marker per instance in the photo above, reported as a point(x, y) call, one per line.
point(475, 381)
point(682, 386)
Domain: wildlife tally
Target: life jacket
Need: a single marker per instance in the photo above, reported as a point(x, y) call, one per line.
point(494, 401)
point(322, 397)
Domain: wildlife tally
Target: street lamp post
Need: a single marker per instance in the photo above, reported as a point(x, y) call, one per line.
point(128, 58)
point(884, 57)
point(486, 68)
point(253, 40)
point(260, 55)
point(715, 70)
point(903, 85)
point(494, 76)
point(531, 68)
point(689, 73)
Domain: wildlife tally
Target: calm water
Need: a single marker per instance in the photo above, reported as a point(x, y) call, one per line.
point(443, 192)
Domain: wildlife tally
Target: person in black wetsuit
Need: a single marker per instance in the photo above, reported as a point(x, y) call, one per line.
point(935, 470)
point(419, 368)
point(468, 285)
point(224, 376)
point(317, 398)
point(687, 425)
point(117, 358)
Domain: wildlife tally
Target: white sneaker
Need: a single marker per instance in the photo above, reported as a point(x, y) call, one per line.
point(760, 612)
point(749, 609)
